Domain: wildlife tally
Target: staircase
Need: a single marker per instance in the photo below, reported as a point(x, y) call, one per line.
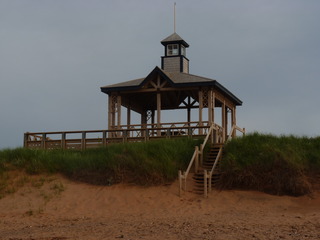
point(207, 164)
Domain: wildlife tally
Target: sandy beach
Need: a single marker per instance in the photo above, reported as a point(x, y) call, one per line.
point(62, 209)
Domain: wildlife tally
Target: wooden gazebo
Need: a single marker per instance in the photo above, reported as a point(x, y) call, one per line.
point(168, 88)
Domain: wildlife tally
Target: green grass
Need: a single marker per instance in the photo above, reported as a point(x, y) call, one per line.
point(154, 162)
point(273, 164)
point(277, 165)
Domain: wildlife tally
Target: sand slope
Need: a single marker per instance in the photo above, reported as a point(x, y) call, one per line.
point(61, 209)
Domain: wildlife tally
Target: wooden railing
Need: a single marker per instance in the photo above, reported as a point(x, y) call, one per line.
point(208, 176)
point(99, 138)
point(233, 132)
point(216, 135)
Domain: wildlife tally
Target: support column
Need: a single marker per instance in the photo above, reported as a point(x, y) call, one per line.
point(152, 122)
point(112, 114)
point(227, 121)
point(188, 110)
point(109, 112)
point(128, 117)
point(153, 117)
point(143, 122)
point(223, 120)
point(213, 105)
point(210, 107)
point(158, 112)
point(200, 110)
point(233, 120)
point(188, 115)
point(118, 112)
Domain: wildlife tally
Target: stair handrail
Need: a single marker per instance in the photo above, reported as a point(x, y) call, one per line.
point(213, 127)
point(194, 159)
point(232, 131)
point(209, 176)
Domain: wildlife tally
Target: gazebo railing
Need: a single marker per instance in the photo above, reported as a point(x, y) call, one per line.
point(99, 138)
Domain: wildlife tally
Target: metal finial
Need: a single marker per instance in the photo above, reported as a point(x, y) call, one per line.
point(174, 17)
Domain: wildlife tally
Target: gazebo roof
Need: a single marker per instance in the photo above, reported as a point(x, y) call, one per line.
point(176, 80)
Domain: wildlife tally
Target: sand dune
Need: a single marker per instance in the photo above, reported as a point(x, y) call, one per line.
point(62, 209)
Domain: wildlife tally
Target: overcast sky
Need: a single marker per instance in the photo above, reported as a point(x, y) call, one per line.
point(55, 56)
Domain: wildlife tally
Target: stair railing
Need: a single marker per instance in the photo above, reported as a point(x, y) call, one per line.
point(208, 176)
point(233, 131)
point(196, 157)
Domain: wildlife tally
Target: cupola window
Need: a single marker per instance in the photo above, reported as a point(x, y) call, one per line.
point(172, 49)
point(183, 50)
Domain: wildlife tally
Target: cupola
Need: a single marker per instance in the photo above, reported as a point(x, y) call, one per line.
point(174, 59)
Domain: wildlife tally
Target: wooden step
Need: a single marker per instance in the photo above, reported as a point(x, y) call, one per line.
point(207, 164)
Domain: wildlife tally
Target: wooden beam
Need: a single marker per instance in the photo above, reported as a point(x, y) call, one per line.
point(167, 89)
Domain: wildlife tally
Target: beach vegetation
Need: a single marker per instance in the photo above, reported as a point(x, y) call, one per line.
point(273, 164)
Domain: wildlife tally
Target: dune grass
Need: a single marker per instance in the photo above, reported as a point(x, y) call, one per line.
point(154, 162)
point(277, 165)
point(268, 163)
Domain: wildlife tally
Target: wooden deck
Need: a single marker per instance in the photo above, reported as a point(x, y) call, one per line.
point(99, 138)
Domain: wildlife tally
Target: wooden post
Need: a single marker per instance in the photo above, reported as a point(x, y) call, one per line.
point(223, 116)
point(104, 138)
point(158, 113)
point(213, 105)
point(128, 117)
point(25, 140)
point(200, 111)
point(210, 182)
point(43, 141)
point(185, 181)
point(143, 123)
point(119, 111)
point(234, 122)
point(109, 112)
point(205, 178)
point(152, 117)
point(63, 140)
point(180, 183)
point(83, 141)
point(226, 123)
point(124, 135)
point(201, 154)
point(152, 122)
point(168, 133)
point(210, 107)
point(147, 134)
point(189, 110)
point(196, 164)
